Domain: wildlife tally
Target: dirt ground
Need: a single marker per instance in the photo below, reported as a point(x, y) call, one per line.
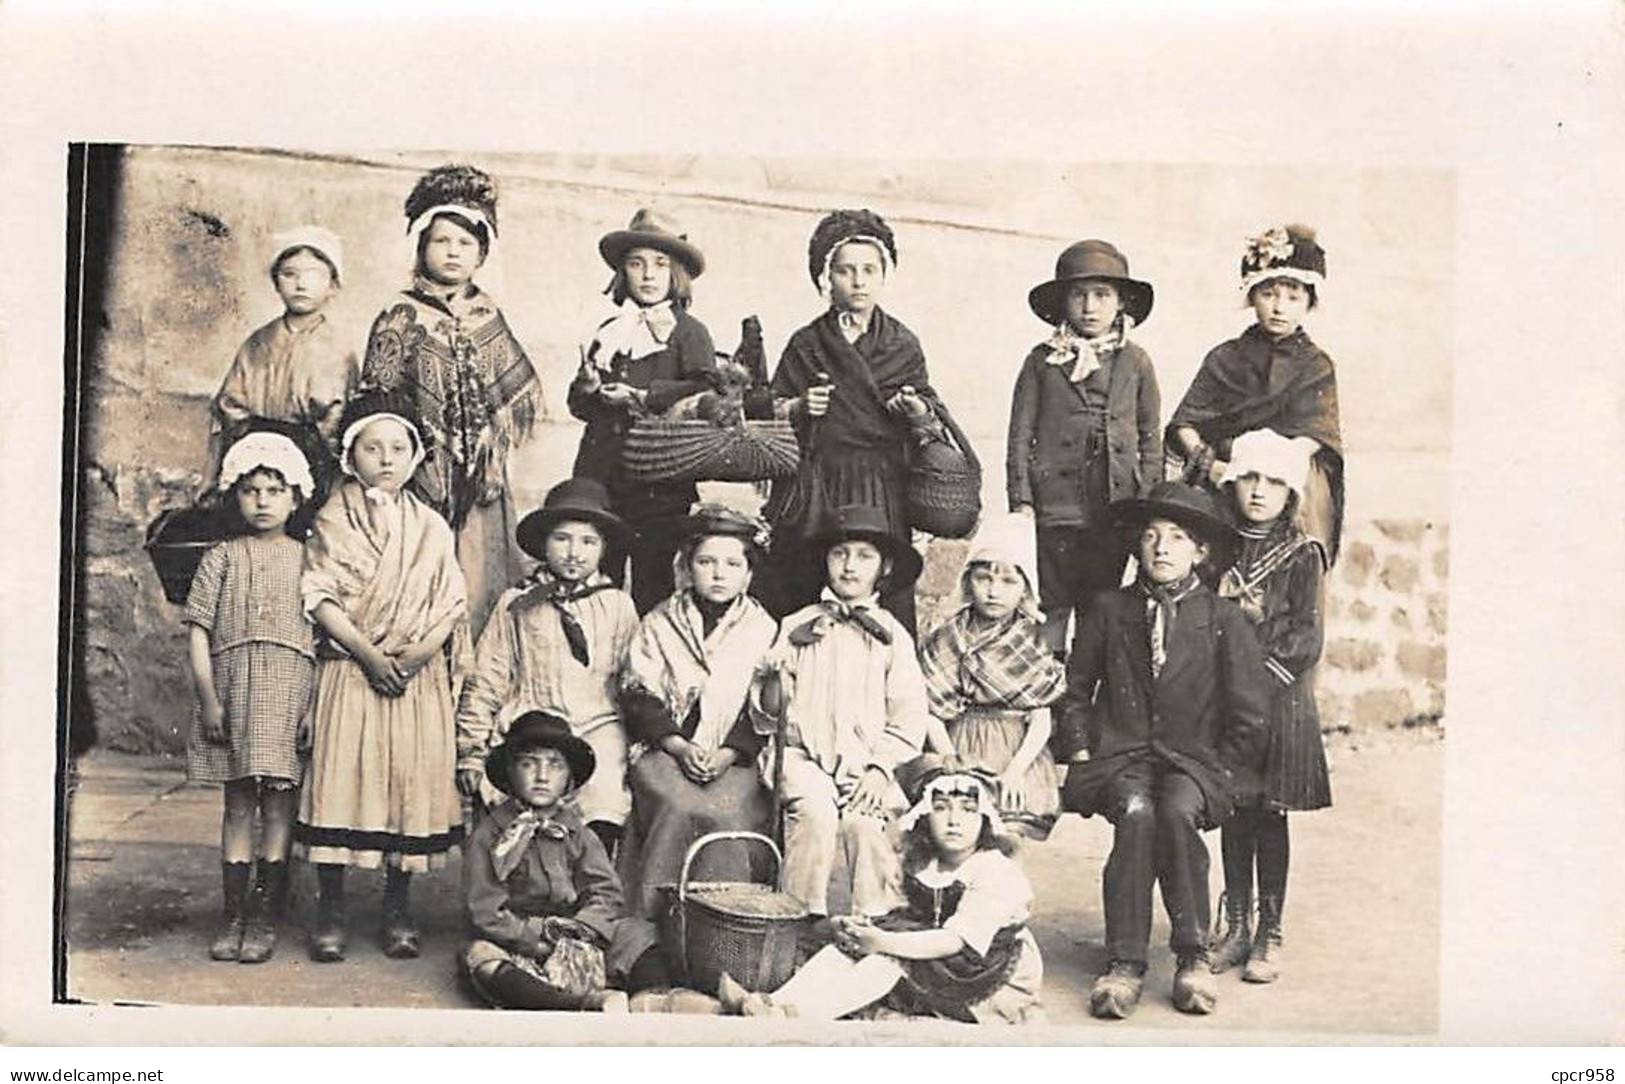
point(1362, 918)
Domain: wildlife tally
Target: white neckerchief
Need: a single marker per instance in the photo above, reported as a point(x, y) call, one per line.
point(635, 331)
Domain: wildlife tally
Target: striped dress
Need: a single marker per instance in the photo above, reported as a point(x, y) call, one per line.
point(246, 596)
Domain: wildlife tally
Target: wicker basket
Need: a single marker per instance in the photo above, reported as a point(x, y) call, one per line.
point(692, 450)
point(176, 542)
point(747, 930)
point(945, 485)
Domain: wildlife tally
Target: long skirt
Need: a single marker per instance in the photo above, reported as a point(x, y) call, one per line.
point(988, 738)
point(381, 787)
point(670, 812)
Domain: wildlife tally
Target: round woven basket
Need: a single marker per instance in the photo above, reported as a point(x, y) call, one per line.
point(691, 450)
point(746, 930)
point(945, 486)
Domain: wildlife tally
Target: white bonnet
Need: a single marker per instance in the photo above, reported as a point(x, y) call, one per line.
point(272, 450)
point(1007, 539)
point(322, 240)
point(1270, 455)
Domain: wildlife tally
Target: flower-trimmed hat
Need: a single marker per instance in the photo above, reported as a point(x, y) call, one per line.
point(540, 730)
point(1284, 252)
point(651, 228)
point(1090, 260)
point(836, 229)
point(867, 523)
point(460, 189)
point(583, 499)
point(1193, 509)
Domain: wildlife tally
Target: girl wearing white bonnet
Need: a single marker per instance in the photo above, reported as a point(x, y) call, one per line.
point(991, 676)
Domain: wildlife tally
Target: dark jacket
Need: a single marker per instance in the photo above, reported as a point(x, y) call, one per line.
point(1046, 453)
point(1205, 714)
point(570, 877)
point(687, 365)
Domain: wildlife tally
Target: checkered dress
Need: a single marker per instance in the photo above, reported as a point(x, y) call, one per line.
point(246, 595)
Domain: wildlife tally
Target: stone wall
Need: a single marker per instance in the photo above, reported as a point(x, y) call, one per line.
point(186, 282)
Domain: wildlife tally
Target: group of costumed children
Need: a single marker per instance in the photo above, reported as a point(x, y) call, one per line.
point(382, 675)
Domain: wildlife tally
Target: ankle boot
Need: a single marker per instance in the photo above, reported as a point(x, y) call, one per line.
point(1230, 949)
point(1264, 963)
point(228, 939)
point(398, 936)
point(263, 913)
point(327, 933)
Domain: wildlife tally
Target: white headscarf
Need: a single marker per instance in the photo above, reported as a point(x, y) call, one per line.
point(314, 237)
point(490, 269)
point(1009, 540)
point(954, 783)
point(355, 428)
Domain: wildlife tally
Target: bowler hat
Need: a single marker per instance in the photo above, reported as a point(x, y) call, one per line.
point(583, 499)
point(1193, 509)
point(654, 229)
point(1090, 260)
point(867, 523)
point(540, 730)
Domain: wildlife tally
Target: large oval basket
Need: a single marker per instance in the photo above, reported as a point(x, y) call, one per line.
point(176, 542)
point(691, 450)
point(747, 930)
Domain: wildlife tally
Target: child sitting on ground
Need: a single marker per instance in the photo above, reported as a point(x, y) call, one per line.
point(548, 923)
point(845, 677)
point(959, 949)
point(1184, 703)
point(991, 677)
point(556, 643)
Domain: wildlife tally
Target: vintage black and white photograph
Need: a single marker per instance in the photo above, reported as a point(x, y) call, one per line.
point(908, 591)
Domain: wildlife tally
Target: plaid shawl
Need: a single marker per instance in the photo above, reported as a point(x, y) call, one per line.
point(1005, 665)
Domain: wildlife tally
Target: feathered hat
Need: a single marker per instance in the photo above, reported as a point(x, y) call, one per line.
point(839, 227)
point(1284, 252)
point(465, 190)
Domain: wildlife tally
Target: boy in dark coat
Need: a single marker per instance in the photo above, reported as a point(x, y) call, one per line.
point(1084, 427)
point(1184, 700)
point(535, 878)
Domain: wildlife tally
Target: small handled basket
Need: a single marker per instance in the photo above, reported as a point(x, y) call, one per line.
point(176, 542)
point(694, 450)
point(745, 929)
point(945, 485)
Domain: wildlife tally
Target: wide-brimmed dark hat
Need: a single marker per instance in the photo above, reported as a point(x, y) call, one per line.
point(540, 730)
point(865, 522)
point(583, 499)
point(654, 229)
point(1193, 509)
point(1090, 260)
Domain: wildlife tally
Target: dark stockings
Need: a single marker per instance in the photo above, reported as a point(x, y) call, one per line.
point(1255, 837)
point(397, 886)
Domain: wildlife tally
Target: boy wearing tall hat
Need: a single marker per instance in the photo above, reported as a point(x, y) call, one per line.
point(555, 643)
point(1183, 699)
point(547, 920)
point(853, 702)
point(1084, 427)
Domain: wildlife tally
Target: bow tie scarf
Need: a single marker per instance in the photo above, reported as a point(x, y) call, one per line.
point(837, 613)
point(1161, 603)
point(509, 849)
point(1067, 347)
point(562, 595)
point(635, 332)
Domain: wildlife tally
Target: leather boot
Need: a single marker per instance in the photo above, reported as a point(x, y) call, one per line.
point(1230, 949)
point(263, 913)
point(1116, 993)
point(1264, 963)
point(228, 939)
point(1195, 990)
point(398, 936)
